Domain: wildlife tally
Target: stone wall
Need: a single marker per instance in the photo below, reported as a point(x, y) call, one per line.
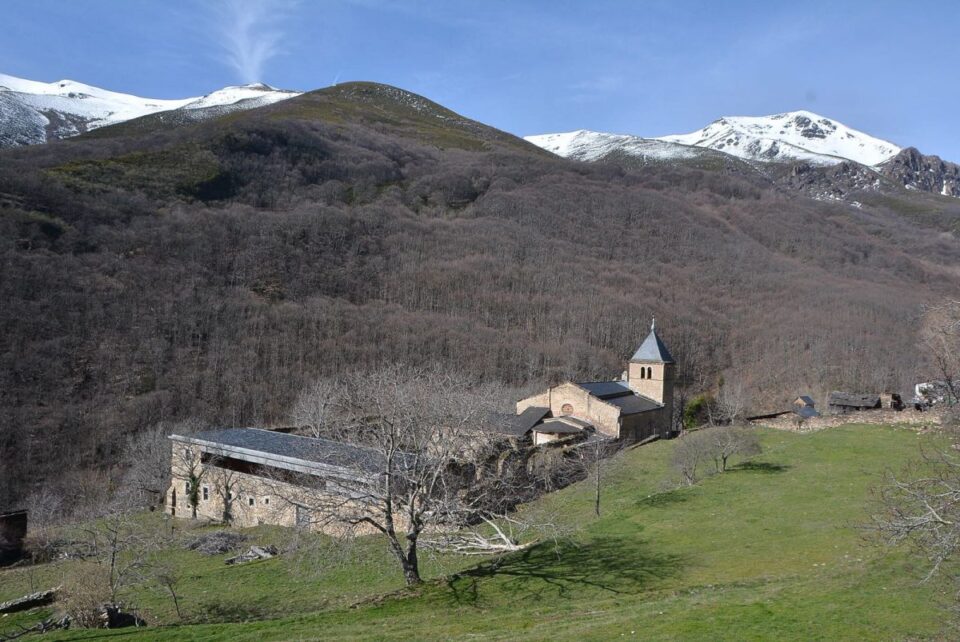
point(640, 426)
point(254, 500)
point(889, 417)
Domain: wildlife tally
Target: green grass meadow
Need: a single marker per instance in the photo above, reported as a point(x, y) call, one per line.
point(767, 551)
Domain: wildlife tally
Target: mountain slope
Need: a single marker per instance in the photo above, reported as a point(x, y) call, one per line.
point(791, 136)
point(211, 270)
point(34, 112)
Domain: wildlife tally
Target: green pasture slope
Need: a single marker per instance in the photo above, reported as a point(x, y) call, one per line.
point(768, 551)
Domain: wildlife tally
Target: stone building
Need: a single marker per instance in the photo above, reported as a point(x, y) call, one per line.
point(632, 409)
point(13, 530)
point(251, 476)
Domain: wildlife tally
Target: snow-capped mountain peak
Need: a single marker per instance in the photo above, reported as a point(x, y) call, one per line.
point(33, 112)
point(588, 145)
point(795, 135)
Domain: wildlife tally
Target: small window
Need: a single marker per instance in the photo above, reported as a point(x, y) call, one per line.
point(206, 493)
point(251, 501)
point(649, 373)
point(643, 373)
point(266, 500)
point(566, 409)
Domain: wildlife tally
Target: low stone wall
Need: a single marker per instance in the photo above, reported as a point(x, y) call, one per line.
point(911, 417)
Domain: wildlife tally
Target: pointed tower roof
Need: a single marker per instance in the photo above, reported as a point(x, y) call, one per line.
point(653, 349)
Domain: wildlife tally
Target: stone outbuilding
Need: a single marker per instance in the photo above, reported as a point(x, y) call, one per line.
point(844, 402)
point(13, 531)
point(631, 409)
point(251, 476)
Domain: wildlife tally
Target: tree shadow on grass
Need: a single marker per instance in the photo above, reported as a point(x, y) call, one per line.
point(668, 498)
point(760, 467)
point(602, 565)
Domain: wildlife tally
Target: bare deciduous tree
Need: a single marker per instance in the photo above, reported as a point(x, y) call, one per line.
point(717, 444)
point(940, 343)
point(187, 461)
point(147, 458)
point(315, 406)
point(730, 404)
point(434, 462)
point(921, 506)
point(226, 485)
point(690, 452)
point(728, 441)
point(119, 547)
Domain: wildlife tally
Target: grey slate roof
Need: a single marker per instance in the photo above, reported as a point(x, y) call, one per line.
point(634, 404)
point(807, 412)
point(308, 449)
point(619, 394)
point(606, 389)
point(652, 349)
point(522, 423)
point(563, 426)
point(854, 400)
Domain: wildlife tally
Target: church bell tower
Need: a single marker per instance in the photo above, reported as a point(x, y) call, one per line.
point(651, 369)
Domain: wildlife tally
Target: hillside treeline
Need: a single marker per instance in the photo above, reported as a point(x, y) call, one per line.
point(211, 271)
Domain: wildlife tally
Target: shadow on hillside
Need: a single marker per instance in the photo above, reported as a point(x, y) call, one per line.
point(668, 498)
point(546, 571)
point(760, 467)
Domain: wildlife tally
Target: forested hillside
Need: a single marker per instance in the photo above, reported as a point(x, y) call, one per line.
point(151, 273)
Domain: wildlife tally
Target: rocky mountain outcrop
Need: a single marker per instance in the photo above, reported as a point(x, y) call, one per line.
point(918, 171)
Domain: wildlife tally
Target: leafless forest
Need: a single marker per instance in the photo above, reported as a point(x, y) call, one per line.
point(212, 270)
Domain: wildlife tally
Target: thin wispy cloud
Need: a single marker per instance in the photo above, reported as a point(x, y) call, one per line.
point(251, 33)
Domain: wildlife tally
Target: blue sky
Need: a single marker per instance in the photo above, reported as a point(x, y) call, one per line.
point(646, 67)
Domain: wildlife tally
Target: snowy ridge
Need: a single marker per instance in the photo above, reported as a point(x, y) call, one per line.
point(33, 112)
point(586, 145)
point(795, 135)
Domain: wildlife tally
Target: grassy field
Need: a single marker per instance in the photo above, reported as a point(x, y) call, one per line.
point(768, 551)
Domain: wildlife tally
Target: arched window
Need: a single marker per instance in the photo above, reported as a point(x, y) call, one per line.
point(643, 373)
point(649, 373)
point(566, 409)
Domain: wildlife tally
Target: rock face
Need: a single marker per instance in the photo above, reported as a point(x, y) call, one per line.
point(917, 171)
point(835, 182)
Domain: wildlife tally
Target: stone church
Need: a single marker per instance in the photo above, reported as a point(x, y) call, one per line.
point(637, 407)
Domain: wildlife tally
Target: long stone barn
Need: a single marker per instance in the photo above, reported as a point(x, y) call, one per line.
point(251, 476)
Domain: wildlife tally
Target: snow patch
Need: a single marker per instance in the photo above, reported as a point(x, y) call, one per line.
point(587, 145)
point(28, 108)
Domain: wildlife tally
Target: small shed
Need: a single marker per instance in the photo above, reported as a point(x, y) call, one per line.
point(13, 530)
point(844, 402)
point(804, 401)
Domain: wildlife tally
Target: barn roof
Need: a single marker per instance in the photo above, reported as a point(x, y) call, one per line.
point(854, 400)
point(279, 448)
point(652, 349)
